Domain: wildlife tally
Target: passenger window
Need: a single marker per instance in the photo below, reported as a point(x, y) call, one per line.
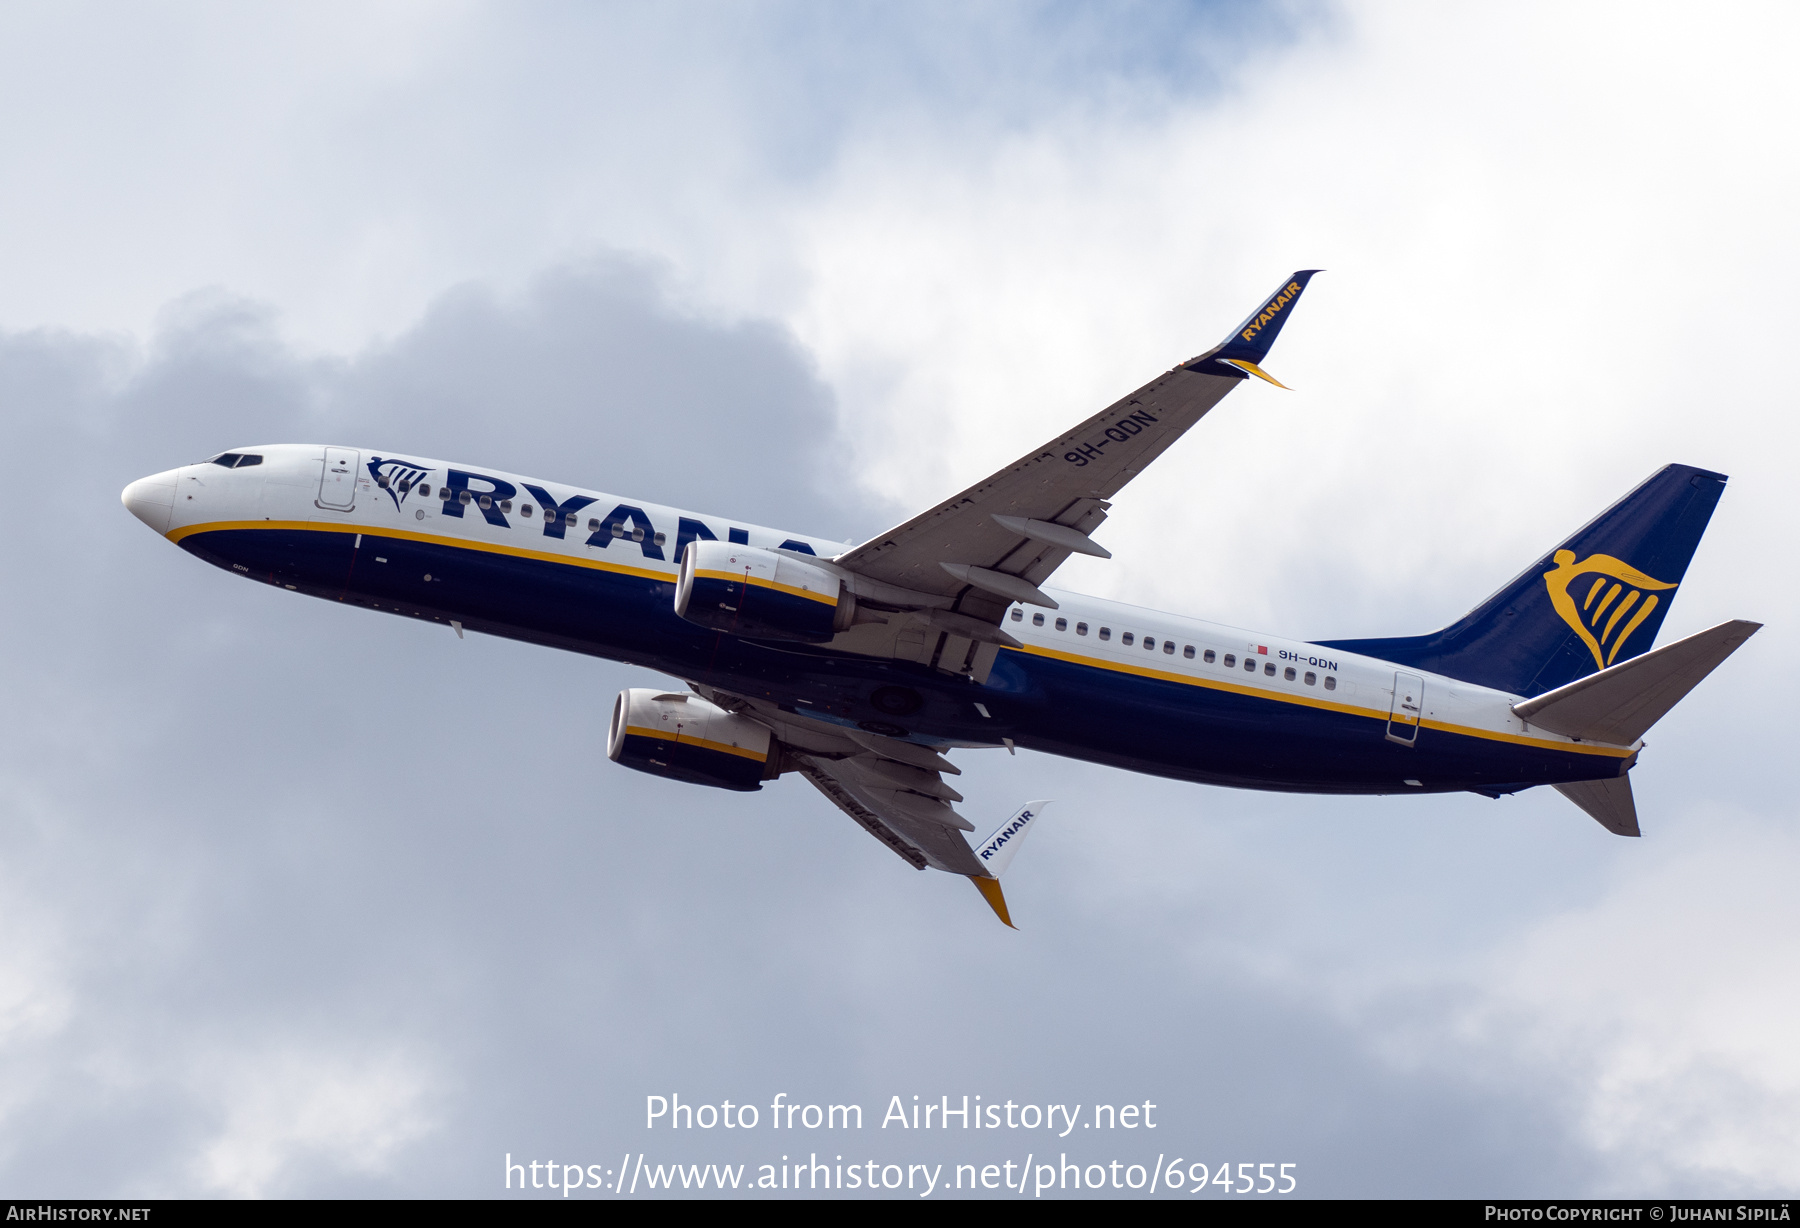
point(1311, 677)
point(1149, 643)
point(1188, 652)
point(487, 501)
point(405, 485)
point(1269, 669)
point(506, 505)
point(593, 525)
point(637, 535)
point(381, 480)
point(1080, 628)
point(1208, 658)
point(1287, 673)
point(661, 538)
point(463, 496)
point(1250, 664)
point(1018, 616)
point(1169, 649)
point(1230, 659)
point(1037, 620)
point(618, 530)
point(1106, 633)
point(1062, 624)
point(1124, 638)
point(1330, 682)
point(525, 510)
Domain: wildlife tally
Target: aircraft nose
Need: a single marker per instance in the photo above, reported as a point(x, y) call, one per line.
point(152, 499)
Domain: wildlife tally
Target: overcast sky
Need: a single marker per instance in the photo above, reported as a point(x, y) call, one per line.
point(303, 900)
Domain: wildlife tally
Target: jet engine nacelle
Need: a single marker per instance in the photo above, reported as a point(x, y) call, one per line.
point(683, 737)
point(763, 594)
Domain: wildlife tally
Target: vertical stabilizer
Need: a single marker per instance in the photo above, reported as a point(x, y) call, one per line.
point(1596, 600)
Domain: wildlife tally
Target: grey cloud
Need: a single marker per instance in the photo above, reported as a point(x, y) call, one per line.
point(352, 165)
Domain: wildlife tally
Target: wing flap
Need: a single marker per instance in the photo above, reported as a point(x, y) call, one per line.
point(865, 818)
point(922, 830)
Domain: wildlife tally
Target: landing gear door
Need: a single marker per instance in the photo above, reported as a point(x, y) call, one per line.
point(1409, 707)
point(337, 486)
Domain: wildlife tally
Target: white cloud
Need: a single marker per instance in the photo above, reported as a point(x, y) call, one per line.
point(1534, 245)
point(1670, 1003)
point(289, 1108)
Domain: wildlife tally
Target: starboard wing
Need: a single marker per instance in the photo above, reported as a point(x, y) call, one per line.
point(997, 541)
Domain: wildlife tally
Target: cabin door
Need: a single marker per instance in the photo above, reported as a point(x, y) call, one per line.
point(1409, 707)
point(337, 486)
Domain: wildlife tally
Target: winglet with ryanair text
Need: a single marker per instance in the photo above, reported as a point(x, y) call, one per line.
point(996, 852)
point(1249, 343)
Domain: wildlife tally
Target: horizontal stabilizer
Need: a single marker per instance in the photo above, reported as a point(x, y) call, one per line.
point(1619, 703)
point(1608, 801)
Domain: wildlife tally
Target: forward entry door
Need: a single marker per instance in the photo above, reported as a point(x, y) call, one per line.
point(1408, 709)
point(337, 487)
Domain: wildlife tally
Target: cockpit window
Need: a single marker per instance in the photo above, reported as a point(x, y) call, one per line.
point(227, 459)
point(236, 460)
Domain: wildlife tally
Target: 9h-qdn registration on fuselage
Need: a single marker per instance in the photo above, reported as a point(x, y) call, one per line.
point(862, 667)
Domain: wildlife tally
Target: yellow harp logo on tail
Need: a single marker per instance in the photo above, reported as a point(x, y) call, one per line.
point(1606, 610)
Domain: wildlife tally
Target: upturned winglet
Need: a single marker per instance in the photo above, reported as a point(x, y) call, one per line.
point(996, 852)
point(1244, 364)
point(1242, 352)
point(990, 891)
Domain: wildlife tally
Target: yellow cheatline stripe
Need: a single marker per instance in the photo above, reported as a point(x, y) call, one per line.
point(222, 526)
point(688, 739)
point(1307, 701)
point(738, 577)
point(228, 526)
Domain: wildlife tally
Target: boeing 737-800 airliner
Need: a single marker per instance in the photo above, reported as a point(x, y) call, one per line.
point(861, 667)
